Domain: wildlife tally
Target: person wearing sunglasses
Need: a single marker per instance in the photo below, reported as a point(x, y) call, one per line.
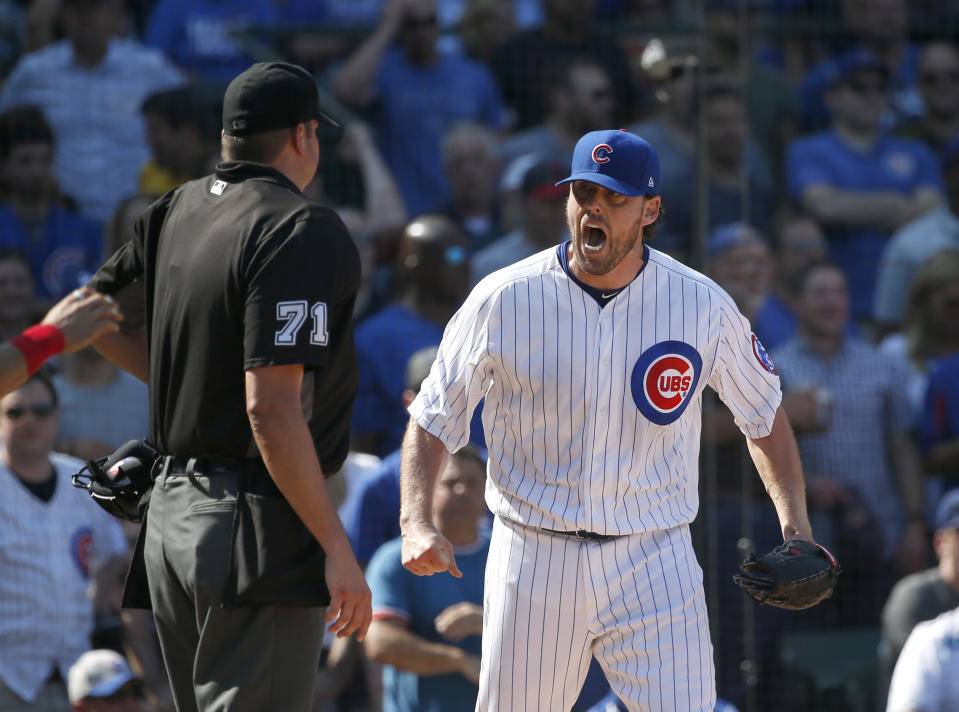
point(859, 182)
point(56, 546)
point(72, 323)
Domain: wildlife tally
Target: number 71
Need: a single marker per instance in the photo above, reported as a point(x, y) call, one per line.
point(294, 313)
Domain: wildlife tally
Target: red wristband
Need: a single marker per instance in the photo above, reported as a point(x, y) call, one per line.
point(38, 343)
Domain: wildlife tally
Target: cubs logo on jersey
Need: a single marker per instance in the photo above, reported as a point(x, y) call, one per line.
point(601, 153)
point(762, 356)
point(81, 546)
point(663, 380)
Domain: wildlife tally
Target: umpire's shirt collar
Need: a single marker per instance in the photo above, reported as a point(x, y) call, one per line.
point(238, 171)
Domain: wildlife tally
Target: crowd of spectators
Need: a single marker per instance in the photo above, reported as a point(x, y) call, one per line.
point(810, 166)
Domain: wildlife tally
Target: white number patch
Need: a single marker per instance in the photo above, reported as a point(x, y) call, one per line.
point(294, 314)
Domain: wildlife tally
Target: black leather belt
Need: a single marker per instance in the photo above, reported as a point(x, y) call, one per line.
point(208, 466)
point(583, 534)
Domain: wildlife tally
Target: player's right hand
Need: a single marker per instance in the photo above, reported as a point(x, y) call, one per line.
point(427, 552)
point(83, 316)
point(350, 608)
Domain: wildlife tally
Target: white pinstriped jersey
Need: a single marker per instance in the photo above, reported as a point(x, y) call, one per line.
point(593, 415)
point(47, 552)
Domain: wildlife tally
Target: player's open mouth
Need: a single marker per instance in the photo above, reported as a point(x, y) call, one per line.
point(594, 238)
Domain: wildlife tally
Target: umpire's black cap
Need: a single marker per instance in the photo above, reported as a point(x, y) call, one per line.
point(271, 95)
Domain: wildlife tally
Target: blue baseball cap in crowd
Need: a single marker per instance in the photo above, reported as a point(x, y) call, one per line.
point(856, 60)
point(728, 235)
point(617, 160)
point(947, 512)
point(97, 673)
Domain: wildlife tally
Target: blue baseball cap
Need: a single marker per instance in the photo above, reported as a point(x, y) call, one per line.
point(617, 160)
point(730, 235)
point(852, 62)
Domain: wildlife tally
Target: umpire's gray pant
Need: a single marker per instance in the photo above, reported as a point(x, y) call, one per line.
point(255, 658)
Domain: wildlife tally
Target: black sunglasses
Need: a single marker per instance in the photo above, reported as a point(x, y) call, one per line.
point(39, 411)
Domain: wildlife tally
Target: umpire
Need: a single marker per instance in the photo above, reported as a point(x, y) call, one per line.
point(247, 293)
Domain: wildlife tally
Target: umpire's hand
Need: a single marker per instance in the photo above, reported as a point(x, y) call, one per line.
point(427, 552)
point(350, 610)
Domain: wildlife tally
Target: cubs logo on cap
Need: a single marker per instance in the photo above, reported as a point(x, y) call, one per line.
point(601, 153)
point(664, 378)
point(762, 356)
point(618, 160)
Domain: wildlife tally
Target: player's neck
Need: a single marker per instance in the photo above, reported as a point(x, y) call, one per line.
point(822, 343)
point(33, 470)
point(617, 278)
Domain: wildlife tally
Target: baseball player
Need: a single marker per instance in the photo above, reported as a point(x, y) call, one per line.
point(593, 357)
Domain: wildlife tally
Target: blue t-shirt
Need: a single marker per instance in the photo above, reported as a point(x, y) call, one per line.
point(416, 107)
point(376, 518)
point(196, 34)
point(892, 164)
point(939, 421)
point(384, 343)
point(418, 600)
point(64, 253)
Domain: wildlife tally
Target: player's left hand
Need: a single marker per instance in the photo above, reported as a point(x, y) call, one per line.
point(350, 608)
point(427, 552)
point(459, 621)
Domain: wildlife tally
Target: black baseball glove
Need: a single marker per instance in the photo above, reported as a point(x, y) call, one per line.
point(795, 575)
point(121, 482)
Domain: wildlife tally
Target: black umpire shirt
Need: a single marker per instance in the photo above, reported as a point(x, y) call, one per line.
point(235, 271)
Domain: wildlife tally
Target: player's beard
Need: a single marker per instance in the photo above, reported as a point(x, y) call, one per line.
point(617, 252)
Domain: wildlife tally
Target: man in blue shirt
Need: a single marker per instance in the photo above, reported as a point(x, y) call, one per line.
point(198, 34)
point(427, 630)
point(416, 94)
point(433, 275)
point(857, 181)
point(376, 517)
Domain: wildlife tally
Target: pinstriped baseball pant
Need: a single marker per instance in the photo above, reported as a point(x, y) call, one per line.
point(635, 602)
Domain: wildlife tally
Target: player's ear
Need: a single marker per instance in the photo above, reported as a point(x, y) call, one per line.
point(299, 138)
point(651, 209)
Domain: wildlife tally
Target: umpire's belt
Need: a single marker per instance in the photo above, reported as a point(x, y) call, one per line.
point(209, 466)
point(583, 534)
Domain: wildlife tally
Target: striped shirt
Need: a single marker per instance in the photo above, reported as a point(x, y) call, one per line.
point(593, 415)
point(47, 552)
point(869, 402)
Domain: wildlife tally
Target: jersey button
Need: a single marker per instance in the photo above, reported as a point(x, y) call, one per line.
point(605, 361)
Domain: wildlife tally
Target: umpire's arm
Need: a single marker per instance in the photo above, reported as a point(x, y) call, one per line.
point(777, 459)
point(283, 438)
